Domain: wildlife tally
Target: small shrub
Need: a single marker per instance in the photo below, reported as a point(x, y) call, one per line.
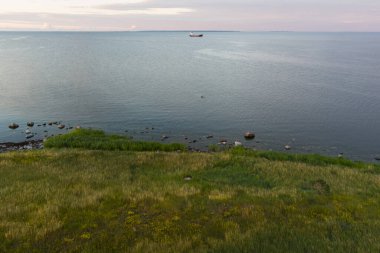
point(319, 186)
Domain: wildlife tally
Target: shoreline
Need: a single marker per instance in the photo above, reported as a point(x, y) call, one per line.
point(39, 144)
point(21, 146)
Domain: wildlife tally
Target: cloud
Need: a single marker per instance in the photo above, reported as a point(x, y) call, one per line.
point(249, 15)
point(36, 26)
point(92, 7)
point(147, 11)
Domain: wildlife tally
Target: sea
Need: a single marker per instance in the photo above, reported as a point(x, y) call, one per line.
point(315, 92)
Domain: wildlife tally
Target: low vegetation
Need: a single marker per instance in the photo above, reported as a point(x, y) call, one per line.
point(78, 200)
point(98, 140)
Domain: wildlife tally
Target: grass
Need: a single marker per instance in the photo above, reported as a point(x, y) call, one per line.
point(312, 159)
point(98, 140)
point(78, 200)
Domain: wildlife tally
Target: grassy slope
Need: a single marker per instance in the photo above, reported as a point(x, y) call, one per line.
point(238, 201)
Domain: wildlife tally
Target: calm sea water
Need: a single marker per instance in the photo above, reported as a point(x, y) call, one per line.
point(318, 92)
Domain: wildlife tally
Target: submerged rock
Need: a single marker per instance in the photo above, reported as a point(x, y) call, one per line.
point(13, 126)
point(249, 135)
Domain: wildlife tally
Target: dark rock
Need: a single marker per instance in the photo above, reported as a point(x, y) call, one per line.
point(61, 126)
point(13, 126)
point(210, 137)
point(30, 124)
point(377, 158)
point(202, 96)
point(28, 136)
point(50, 123)
point(164, 137)
point(249, 135)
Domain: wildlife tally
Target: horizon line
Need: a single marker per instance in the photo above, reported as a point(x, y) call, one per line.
point(231, 31)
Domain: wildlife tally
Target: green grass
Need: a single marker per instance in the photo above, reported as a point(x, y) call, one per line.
point(77, 200)
point(98, 140)
point(312, 159)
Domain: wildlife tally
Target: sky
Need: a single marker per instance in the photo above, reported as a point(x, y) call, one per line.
point(195, 15)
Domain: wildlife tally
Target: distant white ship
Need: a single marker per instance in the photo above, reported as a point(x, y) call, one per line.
point(193, 35)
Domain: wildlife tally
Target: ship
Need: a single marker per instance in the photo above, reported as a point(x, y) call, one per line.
point(193, 35)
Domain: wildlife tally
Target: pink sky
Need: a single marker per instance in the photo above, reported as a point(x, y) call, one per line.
point(242, 15)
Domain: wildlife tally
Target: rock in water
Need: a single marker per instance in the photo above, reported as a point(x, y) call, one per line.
point(377, 158)
point(28, 136)
point(30, 124)
point(238, 144)
point(61, 126)
point(249, 136)
point(13, 126)
point(27, 131)
point(223, 141)
point(287, 147)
